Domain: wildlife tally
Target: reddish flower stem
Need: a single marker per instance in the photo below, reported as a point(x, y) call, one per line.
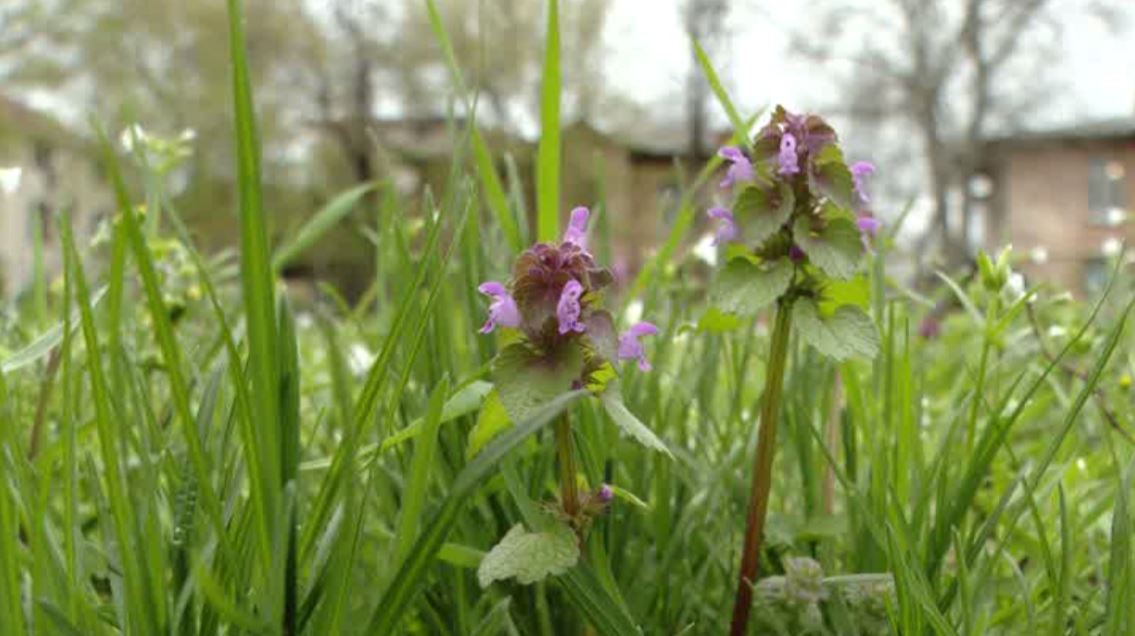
point(762, 468)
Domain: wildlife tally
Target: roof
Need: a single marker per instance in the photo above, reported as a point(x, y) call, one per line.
point(17, 120)
point(657, 139)
point(1116, 128)
point(427, 137)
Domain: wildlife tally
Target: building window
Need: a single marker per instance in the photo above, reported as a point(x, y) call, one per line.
point(1096, 272)
point(1107, 191)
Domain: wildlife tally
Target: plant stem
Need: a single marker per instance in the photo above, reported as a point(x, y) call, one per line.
point(569, 489)
point(762, 468)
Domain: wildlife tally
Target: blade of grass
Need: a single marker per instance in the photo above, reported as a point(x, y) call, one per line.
point(257, 285)
point(486, 170)
point(414, 495)
point(319, 224)
point(548, 152)
point(139, 604)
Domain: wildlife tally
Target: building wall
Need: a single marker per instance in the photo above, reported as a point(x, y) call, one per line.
point(1043, 201)
point(53, 179)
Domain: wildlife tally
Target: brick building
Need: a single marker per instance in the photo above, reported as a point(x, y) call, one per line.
point(1064, 197)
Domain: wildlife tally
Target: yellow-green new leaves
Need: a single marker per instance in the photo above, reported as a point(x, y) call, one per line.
point(530, 556)
point(847, 332)
point(490, 421)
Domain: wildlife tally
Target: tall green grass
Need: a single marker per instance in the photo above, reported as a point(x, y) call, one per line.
point(251, 462)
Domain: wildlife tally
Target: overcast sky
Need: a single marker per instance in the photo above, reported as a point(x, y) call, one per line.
point(1097, 66)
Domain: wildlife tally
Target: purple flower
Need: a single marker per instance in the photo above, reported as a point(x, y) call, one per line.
point(868, 225)
point(929, 328)
point(568, 309)
point(795, 254)
point(631, 348)
point(502, 311)
point(726, 228)
point(860, 170)
point(740, 170)
point(605, 494)
point(577, 227)
point(787, 156)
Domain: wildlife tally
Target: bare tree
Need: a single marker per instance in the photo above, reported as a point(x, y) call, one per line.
point(704, 21)
point(950, 71)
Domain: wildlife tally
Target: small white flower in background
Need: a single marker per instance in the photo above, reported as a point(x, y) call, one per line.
point(706, 250)
point(1016, 284)
point(1116, 216)
point(1081, 464)
point(10, 179)
point(1039, 254)
point(1056, 331)
point(359, 358)
point(633, 313)
point(304, 320)
point(187, 135)
point(1111, 246)
point(131, 137)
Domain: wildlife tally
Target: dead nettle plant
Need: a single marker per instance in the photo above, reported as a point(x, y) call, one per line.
point(794, 238)
point(556, 337)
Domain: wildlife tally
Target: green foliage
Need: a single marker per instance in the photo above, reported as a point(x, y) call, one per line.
point(845, 333)
point(548, 160)
point(835, 247)
point(525, 380)
point(976, 482)
point(831, 178)
point(743, 287)
point(761, 210)
point(529, 556)
point(612, 399)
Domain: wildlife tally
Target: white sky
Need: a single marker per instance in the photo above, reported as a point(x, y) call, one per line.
point(647, 56)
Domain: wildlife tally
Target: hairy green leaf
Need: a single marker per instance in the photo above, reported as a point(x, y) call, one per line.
point(761, 211)
point(845, 333)
point(836, 248)
point(743, 287)
point(529, 556)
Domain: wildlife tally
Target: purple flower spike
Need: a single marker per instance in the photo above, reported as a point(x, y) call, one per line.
point(568, 309)
point(741, 168)
point(605, 494)
point(629, 346)
point(726, 228)
point(503, 310)
point(577, 227)
point(860, 170)
point(787, 157)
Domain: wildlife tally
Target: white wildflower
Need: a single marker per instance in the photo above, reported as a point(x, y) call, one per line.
point(706, 250)
point(359, 358)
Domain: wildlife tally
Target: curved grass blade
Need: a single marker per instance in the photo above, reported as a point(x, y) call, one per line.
point(45, 342)
point(319, 224)
point(548, 152)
